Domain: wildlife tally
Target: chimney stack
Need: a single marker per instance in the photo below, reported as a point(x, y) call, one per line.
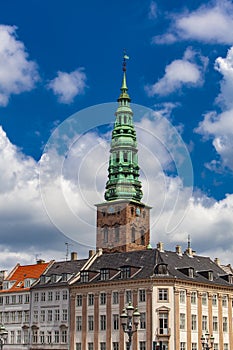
point(74, 256)
point(179, 250)
point(217, 261)
point(160, 247)
point(91, 253)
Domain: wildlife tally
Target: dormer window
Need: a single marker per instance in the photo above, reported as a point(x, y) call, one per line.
point(161, 269)
point(84, 276)
point(65, 277)
point(5, 285)
point(54, 278)
point(27, 283)
point(125, 272)
point(207, 274)
point(104, 274)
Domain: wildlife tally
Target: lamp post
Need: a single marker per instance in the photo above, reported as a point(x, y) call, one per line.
point(130, 319)
point(207, 341)
point(3, 336)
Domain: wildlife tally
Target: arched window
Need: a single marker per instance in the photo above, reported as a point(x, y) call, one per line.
point(133, 236)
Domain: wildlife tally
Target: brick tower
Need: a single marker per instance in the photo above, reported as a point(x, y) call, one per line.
point(123, 221)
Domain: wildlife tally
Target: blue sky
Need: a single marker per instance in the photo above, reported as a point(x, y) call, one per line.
point(59, 58)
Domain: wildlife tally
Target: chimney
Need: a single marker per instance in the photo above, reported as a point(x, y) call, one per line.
point(160, 247)
point(189, 251)
point(91, 253)
point(217, 261)
point(179, 250)
point(74, 256)
point(40, 261)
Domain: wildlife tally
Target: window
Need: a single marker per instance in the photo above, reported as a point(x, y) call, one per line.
point(49, 337)
point(56, 337)
point(20, 316)
point(26, 336)
point(50, 315)
point(36, 297)
point(64, 336)
point(115, 322)
point(117, 233)
point(214, 300)
point(142, 295)
point(128, 296)
point(57, 295)
point(204, 299)
point(26, 316)
point(115, 298)
point(224, 324)
point(84, 276)
point(225, 346)
point(35, 316)
point(42, 316)
point(133, 236)
point(13, 314)
point(12, 337)
point(125, 272)
point(64, 295)
point(35, 336)
point(115, 346)
point(13, 299)
point(163, 323)
point(50, 296)
point(57, 315)
point(18, 339)
point(90, 346)
point(78, 323)
point(224, 300)
point(182, 296)
point(125, 156)
point(194, 346)
point(163, 294)
point(215, 323)
point(91, 323)
point(64, 315)
point(42, 337)
point(193, 298)
point(79, 300)
point(42, 296)
point(194, 322)
point(204, 323)
point(142, 345)
point(102, 346)
point(78, 346)
point(182, 321)
point(7, 300)
point(102, 298)
point(90, 299)
point(104, 274)
point(182, 346)
point(105, 234)
point(215, 346)
point(143, 320)
point(27, 298)
point(102, 322)
point(20, 299)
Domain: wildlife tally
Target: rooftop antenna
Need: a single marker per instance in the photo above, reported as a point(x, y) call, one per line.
point(189, 241)
point(67, 250)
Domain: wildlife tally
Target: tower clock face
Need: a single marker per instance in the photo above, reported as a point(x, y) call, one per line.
point(111, 209)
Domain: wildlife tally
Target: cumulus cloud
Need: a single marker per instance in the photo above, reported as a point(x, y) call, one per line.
point(17, 73)
point(210, 23)
point(179, 73)
point(219, 127)
point(68, 85)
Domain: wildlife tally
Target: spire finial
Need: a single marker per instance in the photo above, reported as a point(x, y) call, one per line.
point(125, 57)
point(124, 88)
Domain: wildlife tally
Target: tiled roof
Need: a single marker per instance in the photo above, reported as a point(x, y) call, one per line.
point(143, 263)
point(20, 273)
point(71, 267)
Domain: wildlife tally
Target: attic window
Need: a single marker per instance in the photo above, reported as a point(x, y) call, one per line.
point(188, 271)
point(207, 274)
point(161, 269)
point(104, 274)
point(125, 272)
point(84, 276)
point(54, 278)
point(65, 277)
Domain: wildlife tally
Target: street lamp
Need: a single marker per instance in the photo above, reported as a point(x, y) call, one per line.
point(207, 341)
point(130, 317)
point(3, 336)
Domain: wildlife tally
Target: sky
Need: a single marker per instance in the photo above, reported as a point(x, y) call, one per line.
point(60, 77)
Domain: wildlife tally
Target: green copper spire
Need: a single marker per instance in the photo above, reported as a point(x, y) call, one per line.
point(123, 182)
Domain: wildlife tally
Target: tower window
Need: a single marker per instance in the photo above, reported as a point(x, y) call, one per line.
point(105, 234)
point(125, 119)
point(133, 235)
point(117, 157)
point(132, 210)
point(117, 233)
point(125, 155)
point(142, 238)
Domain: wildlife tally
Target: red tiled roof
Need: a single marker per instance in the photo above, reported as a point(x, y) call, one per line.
point(20, 273)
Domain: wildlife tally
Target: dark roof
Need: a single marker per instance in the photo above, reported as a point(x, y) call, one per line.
point(71, 267)
point(144, 265)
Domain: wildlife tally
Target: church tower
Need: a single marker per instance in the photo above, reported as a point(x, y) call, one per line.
point(123, 221)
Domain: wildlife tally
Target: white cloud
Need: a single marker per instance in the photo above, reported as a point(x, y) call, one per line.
point(179, 73)
point(153, 11)
point(68, 85)
point(210, 23)
point(17, 72)
point(219, 127)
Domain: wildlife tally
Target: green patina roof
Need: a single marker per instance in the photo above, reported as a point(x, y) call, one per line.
point(123, 171)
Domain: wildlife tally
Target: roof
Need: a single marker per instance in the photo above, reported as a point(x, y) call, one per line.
point(144, 264)
point(20, 273)
point(59, 269)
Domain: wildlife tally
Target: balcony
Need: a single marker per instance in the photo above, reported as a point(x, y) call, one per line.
point(163, 332)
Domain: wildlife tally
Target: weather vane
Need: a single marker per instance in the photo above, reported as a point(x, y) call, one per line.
point(125, 57)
